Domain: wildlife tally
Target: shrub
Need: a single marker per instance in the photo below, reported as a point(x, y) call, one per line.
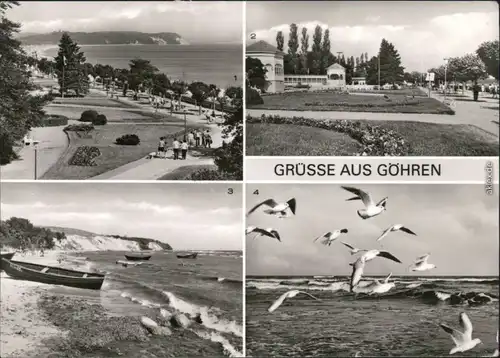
point(205, 174)
point(89, 116)
point(85, 156)
point(253, 97)
point(55, 120)
point(128, 139)
point(376, 141)
point(100, 120)
point(79, 128)
point(300, 85)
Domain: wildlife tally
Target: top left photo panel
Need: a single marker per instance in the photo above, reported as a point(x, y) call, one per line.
point(121, 90)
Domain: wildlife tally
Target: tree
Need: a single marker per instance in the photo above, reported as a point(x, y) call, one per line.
point(325, 52)
point(467, 68)
point(362, 58)
point(141, 74)
point(391, 70)
point(304, 49)
point(293, 46)
point(161, 84)
point(200, 93)
point(357, 63)
point(70, 66)
point(19, 111)
point(316, 50)
point(256, 73)
point(280, 41)
point(489, 53)
point(229, 158)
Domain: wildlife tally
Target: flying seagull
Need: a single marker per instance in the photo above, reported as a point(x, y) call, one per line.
point(286, 295)
point(421, 264)
point(280, 209)
point(359, 265)
point(463, 340)
point(371, 209)
point(269, 232)
point(330, 236)
point(383, 287)
point(353, 250)
point(396, 227)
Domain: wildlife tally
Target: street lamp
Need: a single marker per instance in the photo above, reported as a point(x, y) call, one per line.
point(35, 145)
point(378, 59)
point(445, 69)
point(64, 65)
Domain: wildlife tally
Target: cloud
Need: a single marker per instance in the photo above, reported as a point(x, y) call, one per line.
point(421, 46)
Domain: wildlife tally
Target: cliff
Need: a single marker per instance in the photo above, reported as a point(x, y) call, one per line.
point(106, 38)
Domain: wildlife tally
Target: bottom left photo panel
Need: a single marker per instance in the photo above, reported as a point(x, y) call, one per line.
point(121, 269)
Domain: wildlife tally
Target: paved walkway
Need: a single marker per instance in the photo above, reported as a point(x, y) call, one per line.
point(52, 144)
point(473, 113)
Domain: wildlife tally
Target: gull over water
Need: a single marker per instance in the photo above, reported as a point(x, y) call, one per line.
point(463, 340)
point(383, 287)
point(330, 236)
point(288, 294)
point(269, 232)
point(397, 227)
point(371, 208)
point(282, 210)
point(421, 264)
point(359, 265)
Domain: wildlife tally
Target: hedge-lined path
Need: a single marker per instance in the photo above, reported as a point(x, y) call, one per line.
point(482, 118)
point(52, 144)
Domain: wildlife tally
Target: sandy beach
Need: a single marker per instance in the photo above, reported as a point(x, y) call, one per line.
point(23, 326)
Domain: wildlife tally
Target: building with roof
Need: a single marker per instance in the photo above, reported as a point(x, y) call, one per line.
point(272, 59)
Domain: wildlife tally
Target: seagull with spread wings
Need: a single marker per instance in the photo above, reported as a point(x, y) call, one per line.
point(397, 227)
point(359, 265)
point(329, 237)
point(353, 250)
point(280, 209)
point(371, 208)
point(288, 294)
point(269, 232)
point(383, 287)
point(463, 340)
point(421, 264)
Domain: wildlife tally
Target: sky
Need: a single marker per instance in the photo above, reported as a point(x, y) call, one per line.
point(186, 216)
point(197, 22)
point(424, 32)
point(457, 224)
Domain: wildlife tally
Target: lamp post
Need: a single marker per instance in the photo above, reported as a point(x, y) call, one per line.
point(64, 65)
point(35, 144)
point(378, 60)
point(445, 69)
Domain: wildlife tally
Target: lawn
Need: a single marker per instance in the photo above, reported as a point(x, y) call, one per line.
point(337, 102)
point(112, 155)
point(402, 91)
point(183, 172)
point(289, 140)
point(425, 139)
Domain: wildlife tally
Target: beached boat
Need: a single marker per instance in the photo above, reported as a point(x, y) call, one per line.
point(7, 256)
point(138, 256)
point(52, 275)
point(191, 255)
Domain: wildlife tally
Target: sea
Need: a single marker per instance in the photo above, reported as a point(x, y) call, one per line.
point(402, 322)
point(212, 64)
point(210, 287)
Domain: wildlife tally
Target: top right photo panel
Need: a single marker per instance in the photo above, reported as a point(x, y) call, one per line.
point(409, 78)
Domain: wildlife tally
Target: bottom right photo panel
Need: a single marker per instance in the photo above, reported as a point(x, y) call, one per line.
point(372, 270)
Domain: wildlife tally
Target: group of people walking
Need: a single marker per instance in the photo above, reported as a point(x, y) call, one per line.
point(180, 148)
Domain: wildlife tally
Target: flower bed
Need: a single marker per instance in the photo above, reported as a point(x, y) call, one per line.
point(79, 128)
point(85, 156)
point(54, 120)
point(376, 141)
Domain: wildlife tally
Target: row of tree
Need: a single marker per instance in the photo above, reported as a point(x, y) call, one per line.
point(471, 67)
point(21, 234)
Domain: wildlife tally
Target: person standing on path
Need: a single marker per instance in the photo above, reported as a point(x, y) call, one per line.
point(184, 149)
point(198, 138)
point(207, 138)
point(191, 138)
point(161, 148)
point(176, 146)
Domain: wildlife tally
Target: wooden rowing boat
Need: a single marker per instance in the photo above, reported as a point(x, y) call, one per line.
point(7, 256)
point(138, 256)
point(52, 275)
point(191, 255)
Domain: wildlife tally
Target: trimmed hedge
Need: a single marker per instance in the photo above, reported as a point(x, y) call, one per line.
point(88, 116)
point(253, 97)
point(128, 139)
point(376, 141)
point(85, 156)
point(55, 120)
point(100, 120)
point(79, 128)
